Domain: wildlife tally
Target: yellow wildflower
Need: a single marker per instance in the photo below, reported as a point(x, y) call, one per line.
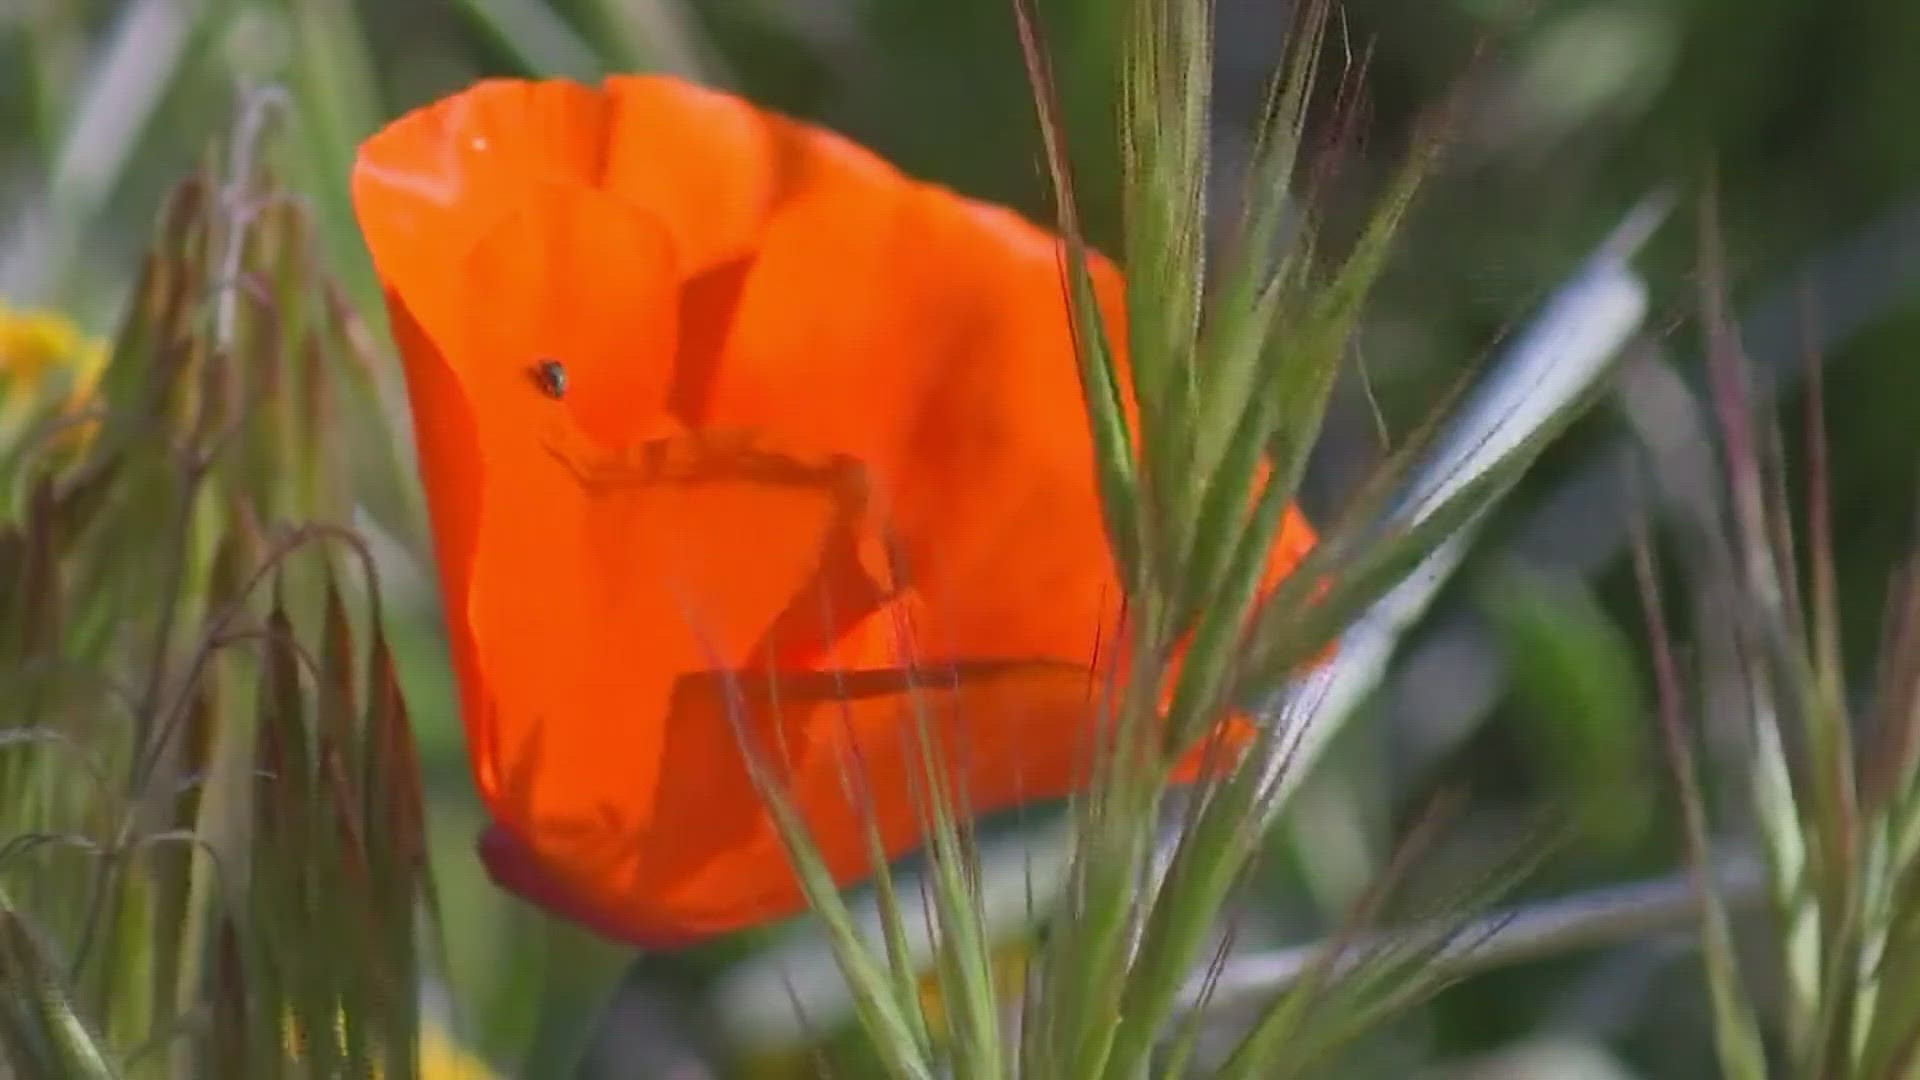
point(1008, 963)
point(441, 1058)
point(36, 345)
point(46, 363)
point(1008, 966)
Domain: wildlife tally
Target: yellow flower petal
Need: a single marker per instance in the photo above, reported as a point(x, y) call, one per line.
point(441, 1058)
point(34, 344)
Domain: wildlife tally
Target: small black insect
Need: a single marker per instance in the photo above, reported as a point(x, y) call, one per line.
point(551, 377)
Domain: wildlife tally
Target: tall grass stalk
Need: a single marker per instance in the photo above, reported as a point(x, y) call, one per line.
point(1824, 773)
point(1556, 360)
point(1200, 443)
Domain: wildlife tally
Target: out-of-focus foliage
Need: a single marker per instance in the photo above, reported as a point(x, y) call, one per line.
point(212, 837)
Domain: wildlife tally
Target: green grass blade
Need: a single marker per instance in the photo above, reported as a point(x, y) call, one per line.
point(42, 1022)
point(1735, 1028)
point(1115, 463)
point(1164, 146)
point(538, 39)
point(882, 1014)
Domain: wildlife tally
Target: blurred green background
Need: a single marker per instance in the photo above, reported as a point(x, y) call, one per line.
point(1524, 684)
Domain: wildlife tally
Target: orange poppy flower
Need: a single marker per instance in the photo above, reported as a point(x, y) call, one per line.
point(726, 426)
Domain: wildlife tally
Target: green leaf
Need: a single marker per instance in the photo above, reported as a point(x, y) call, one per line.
point(1574, 673)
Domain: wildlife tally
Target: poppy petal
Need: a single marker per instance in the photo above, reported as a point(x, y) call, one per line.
point(847, 747)
point(728, 427)
point(926, 336)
